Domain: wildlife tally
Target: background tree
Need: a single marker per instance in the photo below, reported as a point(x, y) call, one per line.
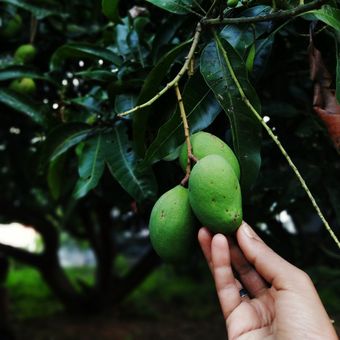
point(78, 141)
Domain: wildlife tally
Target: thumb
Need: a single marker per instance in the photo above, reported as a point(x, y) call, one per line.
point(272, 267)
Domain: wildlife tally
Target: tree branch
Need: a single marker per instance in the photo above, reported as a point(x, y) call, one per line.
point(176, 79)
point(272, 16)
point(21, 255)
point(191, 157)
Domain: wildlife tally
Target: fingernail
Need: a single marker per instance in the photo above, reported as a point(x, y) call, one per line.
point(248, 231)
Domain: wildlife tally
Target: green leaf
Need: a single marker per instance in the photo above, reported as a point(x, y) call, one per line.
point(110, 9)
point(40, 12)
point(241, 37)
point(141, 185)
point(250, 58)
point(82, 51)
point(218, 60)
point(98, 75)
point(14, 72)
point(329, 15)
point(174, 6)
point(54, 178)
point(201, 109)
point(150, 88)
point(62, 138)
point(91, 166)
point(21, 103)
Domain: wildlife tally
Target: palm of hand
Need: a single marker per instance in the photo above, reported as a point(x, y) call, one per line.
point(289, 309)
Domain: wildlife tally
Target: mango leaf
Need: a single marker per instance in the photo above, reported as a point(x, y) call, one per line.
point(201, 109)
point(62, 138)
point(174, 6)
point(110, 9)
point(40, 12)
point(329, 15)
point(218, 60)
point(241, 37)
point(141, 185)
point(14, 72)
point(149, 89)
point(21, 103)
point(91, 166)
point(54, 179)
point(98, 75)
point(82, 51)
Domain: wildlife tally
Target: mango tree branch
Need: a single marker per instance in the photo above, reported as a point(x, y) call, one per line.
point(180, 74)
point(21, 255)
point(289, 13)
point(274, 138)
point(191, 157)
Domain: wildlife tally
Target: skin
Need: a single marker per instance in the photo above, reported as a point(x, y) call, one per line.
point(282, 303)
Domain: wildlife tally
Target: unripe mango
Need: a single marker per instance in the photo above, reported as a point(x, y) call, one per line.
point(204, 144)
point(25, 53)
point(215, 194)
point(172, 225)
point(23, 86)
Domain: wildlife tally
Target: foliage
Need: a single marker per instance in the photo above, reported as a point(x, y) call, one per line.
point(70, 158)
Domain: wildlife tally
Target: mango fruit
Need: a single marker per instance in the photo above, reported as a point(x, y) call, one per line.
point(204, 144)
point(215, 194)
point(23, 86)
point(172, 225)
point(25, 53)
point(11, 27)
point(232, 3)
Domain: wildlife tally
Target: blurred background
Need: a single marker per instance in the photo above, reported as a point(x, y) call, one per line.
point(75, 255)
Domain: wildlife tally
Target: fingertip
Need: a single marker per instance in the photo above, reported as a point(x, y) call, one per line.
point(204, 234)
point(220, 241)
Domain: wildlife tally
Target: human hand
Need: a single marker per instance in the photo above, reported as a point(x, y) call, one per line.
point(282, 301)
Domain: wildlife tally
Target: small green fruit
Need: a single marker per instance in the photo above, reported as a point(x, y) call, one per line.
point(232, 3)
point(204, 144)
point(11, 27)
point(215, 194)
point(25, 53)
point(172, 225)
point(23, 86)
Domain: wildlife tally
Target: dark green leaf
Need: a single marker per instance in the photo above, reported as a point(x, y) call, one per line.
point(37, 112)
point(241, 37)
point(122, 163)
point(201, 109)
point(218, 60)
point(54, 177)
point(14, 72)
point(329, 15)
point(40, 12)
point(99, 75)
point(91, 166)
point(150, 88)
point(174, 6)
point(124, 102)
point(110, 9)
point(62, 138)
point(82, 51)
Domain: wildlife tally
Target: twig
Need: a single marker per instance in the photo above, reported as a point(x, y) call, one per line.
point(272, 16)
point(180, 74)
point(275, 139)
point(191, 157)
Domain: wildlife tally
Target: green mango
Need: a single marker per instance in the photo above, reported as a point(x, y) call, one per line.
point(172, 225)
point(11, 27)
point(215, 194)
point(204, 144)
point(25, 53)
point(23, 86)
point(232, 3)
